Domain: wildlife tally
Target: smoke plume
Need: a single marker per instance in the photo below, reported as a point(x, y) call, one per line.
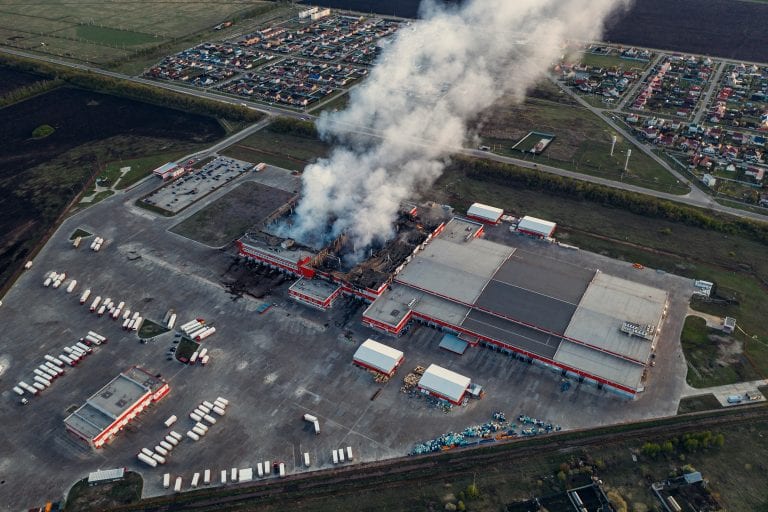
point(429, 81)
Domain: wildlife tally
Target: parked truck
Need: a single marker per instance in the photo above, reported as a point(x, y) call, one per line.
point(71, 286)
point(95, 303)
point(85, 295)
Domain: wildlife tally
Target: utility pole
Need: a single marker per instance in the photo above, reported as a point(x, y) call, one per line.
point(626, 164)
point(613, 144)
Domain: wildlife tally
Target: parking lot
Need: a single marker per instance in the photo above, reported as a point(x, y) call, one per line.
point(188, 189)
point(273, 367)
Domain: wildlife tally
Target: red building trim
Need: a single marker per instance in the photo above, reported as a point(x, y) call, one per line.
point(377, 370)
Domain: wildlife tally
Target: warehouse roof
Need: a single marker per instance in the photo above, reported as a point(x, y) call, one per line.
point(600, 364)
point(453, 266)
point(394, 304)
point(534, 225)
point(444, 382)
point(609, 302)
point(105, 475)
point(315, 288)
point(111, 401)
point(378, 356)
point(484, 211)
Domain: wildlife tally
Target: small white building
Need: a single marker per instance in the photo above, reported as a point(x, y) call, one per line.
point(445, 384)
point(536, 227)
point(378, 357)
point(485, 213)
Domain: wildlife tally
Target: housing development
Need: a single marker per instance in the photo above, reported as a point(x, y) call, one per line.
point(303, 295)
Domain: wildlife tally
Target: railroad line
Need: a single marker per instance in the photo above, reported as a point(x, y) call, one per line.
point(457, 462)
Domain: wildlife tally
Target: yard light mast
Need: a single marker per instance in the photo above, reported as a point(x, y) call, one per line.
point(626, 163)
point(613, 144)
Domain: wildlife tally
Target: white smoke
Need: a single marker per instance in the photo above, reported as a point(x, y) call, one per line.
point(437, 74)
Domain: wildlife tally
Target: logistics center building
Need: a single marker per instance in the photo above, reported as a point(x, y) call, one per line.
point(111, 408)
point(581, 322)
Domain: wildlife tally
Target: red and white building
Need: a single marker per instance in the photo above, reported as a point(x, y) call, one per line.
point(444, 384)
point(378, 357)
point(168, 171)
point(115, 405)
point(539, 228)
point(484, 213)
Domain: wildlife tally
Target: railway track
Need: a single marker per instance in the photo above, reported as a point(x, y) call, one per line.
point(457, 462)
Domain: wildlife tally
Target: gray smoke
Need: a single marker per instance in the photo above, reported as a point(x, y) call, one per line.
point(437, 74)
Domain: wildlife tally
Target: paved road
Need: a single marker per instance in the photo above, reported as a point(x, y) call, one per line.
point(723, 392)
point(641, 81)
point(694, 198)
point(713, 85)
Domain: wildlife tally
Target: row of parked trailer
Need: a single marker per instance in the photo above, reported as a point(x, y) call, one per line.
point(197, 329)
point(132, 320)
point(158, 456)
point(202, 415)
point(201, 356)
point(341, 455)
point(234, 475)
point(54, 280)
point(53, 367)
point(96, 244)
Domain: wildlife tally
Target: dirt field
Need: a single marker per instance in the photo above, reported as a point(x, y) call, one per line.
point(38, 177)
point(723, 28)
point(231, 215)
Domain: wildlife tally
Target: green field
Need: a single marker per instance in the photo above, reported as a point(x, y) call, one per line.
point(112, 30)
point(611, 61)
point(699, 403)
point(279, 149)
point(114, 37)
point(582, 143)
point(710, 362)
point(150, 329)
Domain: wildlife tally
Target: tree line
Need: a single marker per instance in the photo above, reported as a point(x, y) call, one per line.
point(27, 91)
point(132, 90)
point(648, 206)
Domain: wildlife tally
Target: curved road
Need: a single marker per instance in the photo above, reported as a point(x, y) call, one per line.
point(694, 198)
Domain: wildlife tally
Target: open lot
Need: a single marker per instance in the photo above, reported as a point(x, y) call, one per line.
point(230, 216)
point(255, 363)
point(39, 177)
point(188, 189)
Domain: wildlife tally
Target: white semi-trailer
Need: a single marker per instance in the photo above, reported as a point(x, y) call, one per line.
point(95, 303)
point(53, 360)
point(149, 461)
point(85, 295)
point(71, 286)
